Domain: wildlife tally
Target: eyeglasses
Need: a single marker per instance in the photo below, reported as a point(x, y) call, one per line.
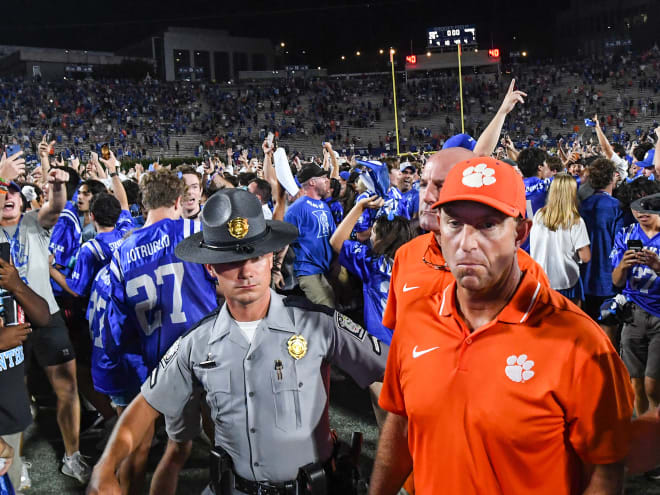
point(435, 266)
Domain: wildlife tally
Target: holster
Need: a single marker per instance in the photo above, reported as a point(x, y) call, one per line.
point(312, 479)
point(220, 467)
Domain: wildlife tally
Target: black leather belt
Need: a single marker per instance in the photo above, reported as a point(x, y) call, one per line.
point(262, 488)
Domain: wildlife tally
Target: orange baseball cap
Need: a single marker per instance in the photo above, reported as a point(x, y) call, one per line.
point(488, 181)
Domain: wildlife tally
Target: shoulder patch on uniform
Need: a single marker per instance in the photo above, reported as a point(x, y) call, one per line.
point(171, 352)
point(348, 325)
point(356, 331)
point(304, 303)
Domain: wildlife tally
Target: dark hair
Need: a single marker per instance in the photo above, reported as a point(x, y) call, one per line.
point(391, 235)
point(601, 173)
point(263, 189)
point(619, 149)
point(335, 187)
point(106, 209)
point(529, 161)
point(554, 162)
point(132, 191)
point(94, 186)
point(189, 170)
point(160, 188)
point(73, 182)
point(232, 179)
point(245, 178)
point(636, 189)
point(640, 151)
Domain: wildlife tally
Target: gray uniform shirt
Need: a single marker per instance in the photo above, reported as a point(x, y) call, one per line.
point(271, 423)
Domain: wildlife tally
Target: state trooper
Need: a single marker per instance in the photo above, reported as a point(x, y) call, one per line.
point(263, 361)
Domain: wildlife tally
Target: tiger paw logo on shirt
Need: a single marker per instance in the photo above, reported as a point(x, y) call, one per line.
point(519, 368)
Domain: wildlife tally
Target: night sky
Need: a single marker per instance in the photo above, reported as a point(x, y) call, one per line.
point(323, 30)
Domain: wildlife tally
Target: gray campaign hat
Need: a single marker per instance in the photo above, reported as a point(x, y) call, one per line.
point(234, 229)
point(647, 204)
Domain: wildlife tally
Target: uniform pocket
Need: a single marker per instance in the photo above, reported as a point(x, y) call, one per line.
point(218, 392)
point(286, 399)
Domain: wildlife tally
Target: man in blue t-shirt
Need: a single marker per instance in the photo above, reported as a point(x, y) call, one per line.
point(537, 177)
point(636, 266)
point(604, 218)
point(311, 215)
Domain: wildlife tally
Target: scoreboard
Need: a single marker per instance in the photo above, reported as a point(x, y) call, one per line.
point(450, 36)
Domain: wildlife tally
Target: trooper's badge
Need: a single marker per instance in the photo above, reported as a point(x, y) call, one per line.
point(297, 346)
point(238, 227)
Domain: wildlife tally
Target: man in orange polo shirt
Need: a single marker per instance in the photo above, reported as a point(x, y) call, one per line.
point(508, 387)
point(419, 268)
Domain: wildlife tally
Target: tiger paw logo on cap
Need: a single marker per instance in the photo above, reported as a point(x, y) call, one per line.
point(478, 176)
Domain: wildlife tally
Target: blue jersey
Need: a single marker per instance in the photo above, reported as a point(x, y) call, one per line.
point(604, 219)
point(368, 216)
point(156, 296)
point(375, 273)
point(123, 373)
point(315, 226)
point(411, 202)
point(336, 208)
point(96, 253)
point(536, 190)
point(394, 205)
point(642, 283)
point(65, 241)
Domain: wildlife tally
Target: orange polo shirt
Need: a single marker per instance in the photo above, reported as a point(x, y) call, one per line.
point(412, 278)
point(516, 406)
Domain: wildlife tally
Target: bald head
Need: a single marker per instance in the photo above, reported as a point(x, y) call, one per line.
point(435, 171)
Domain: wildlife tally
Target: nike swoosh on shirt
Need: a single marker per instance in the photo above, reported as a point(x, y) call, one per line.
point(406, 289)
point(416, 354)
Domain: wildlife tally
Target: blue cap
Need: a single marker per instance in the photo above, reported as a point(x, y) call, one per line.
point(648, 159)
point(460, 141)
point(344, 175)
point(15, 186)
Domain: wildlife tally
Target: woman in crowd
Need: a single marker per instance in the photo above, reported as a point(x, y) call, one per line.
point(559, 238)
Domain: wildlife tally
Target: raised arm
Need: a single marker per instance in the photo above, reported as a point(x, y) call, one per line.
point(343, 231)
point(602, 140)
point(44, 156)
point(488, 140)
point(334, 174)
point(112, 164)
point(50, 212)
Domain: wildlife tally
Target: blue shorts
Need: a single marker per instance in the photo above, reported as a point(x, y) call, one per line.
point(123, 399)
point(575, 293)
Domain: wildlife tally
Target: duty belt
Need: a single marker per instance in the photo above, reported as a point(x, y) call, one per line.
point(261, 488)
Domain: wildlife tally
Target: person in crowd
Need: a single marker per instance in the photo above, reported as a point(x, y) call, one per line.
point(537, 177)
point(28, 235)
point(604, 218)
point(191, 202)
point(332, 199)
point(534, 424)
point(155, 297)
point(255, 333)
point(313, 219)
point(15, 414)
point(559, 236)
point(634, 261)
point(409, 189)
point(261, 188)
